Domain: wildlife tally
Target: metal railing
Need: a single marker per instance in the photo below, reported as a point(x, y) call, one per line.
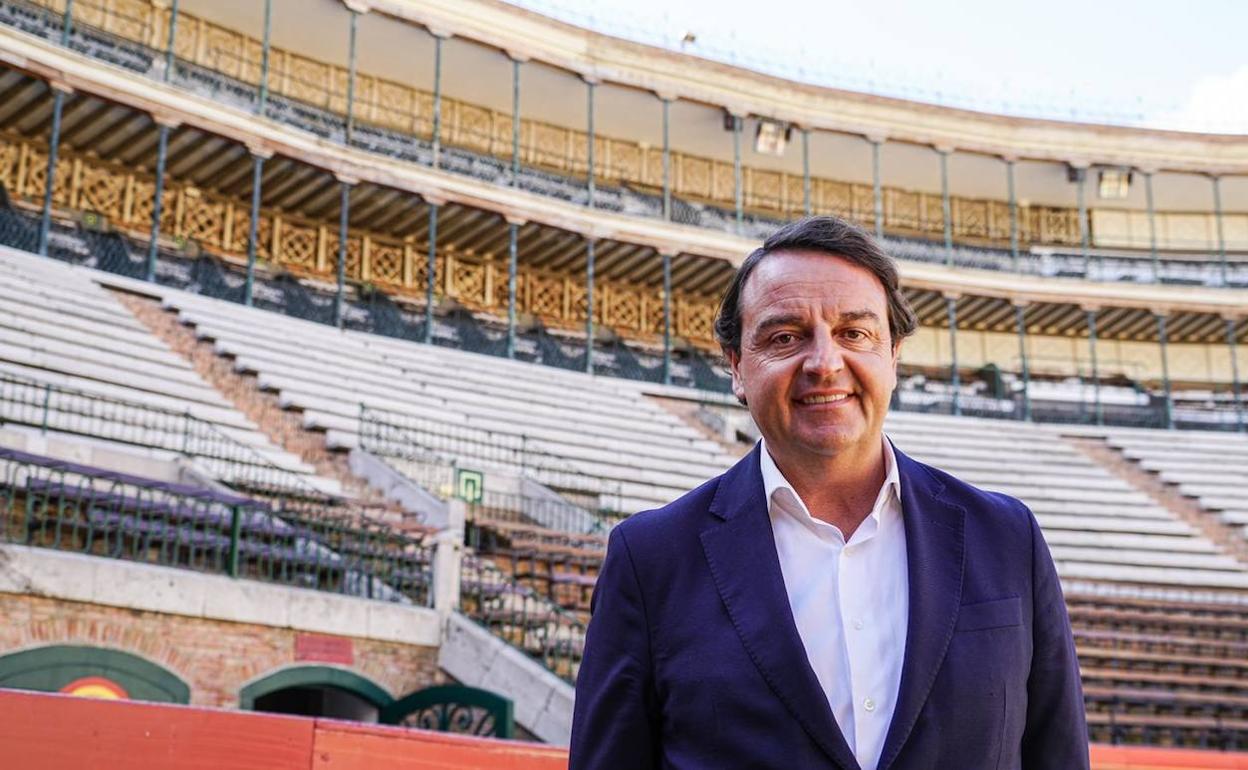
point(49, 407)
point(522, 616)
point(539, 487)
point(65, 506)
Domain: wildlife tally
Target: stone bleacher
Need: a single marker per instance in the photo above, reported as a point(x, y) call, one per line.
point(108, 374)
point(592, 427)
point(1209, 467)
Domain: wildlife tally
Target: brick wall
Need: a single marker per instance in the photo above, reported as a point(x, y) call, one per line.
point(215, 658)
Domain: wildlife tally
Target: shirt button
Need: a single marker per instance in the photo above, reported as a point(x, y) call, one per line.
point(858, 624)
point(868, 704)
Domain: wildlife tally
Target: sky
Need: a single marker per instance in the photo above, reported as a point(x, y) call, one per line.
point(1173, 65)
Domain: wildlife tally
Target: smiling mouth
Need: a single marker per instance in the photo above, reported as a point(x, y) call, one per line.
point(829, 399)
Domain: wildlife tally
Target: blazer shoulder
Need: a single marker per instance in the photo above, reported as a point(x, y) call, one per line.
point(685, 513)
point(984, 506)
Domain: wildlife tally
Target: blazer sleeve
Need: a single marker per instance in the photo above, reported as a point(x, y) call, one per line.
point(615, 717)
point(1056, 734)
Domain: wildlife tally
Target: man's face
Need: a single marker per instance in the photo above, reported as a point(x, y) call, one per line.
point(817, 365)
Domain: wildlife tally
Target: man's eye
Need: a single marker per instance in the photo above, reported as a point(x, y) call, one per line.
point(784, 338)
point(856, 335)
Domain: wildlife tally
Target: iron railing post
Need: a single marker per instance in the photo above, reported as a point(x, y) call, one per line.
point(236, 526)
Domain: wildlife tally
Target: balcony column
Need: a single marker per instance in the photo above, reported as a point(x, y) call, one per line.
point(1165, 369)
point(1080, 172)
point(436, 138)
point(951, 308)
point(258, 157)
point(1020, 321)
point(513, 234)
point(173, 34)
point(667, 317)
point(591, 169)
point(877, 188)
point(946, 207)
point(431, 267)
point(1013, 199)
point(1230, 343)
point(1152, 224)
point(265, 47)
point(807, 205)
point(158, 199)
point(1090, 312)
point(738, 192)
point(516, 61)
point(344, 214)
point(667, 157)
point(590, 254)
point(67, 22)
point(54, 145)
point(351, 60)
point(1217, 220)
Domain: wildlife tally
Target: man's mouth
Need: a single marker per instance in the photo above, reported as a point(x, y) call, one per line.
point(827, 398)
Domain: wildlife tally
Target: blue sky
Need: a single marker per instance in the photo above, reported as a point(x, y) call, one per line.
point(1159, 64)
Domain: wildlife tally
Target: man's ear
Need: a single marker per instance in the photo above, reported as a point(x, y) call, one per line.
point(734, 363)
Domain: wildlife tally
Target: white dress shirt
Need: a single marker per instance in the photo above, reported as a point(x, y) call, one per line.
point(850, 600)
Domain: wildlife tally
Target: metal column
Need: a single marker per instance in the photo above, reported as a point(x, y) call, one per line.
point(1239, 405)
point(806, 199)
point(355, 17)
point(1097, 412)
point(737, 192)
point(173, 34)
point(67, 22)
point(667, 161)
point(49, 179)
point(946, 207)
point(344, 213)
point(437, 100)
point(158, 202)
point(590, 253)
point(877, 188)
point(951, 307)
point(512, 235)
point(265, 48)
point(589, 146)
point(667, 319)
point(431, 275)
point(1081, 178)
point(1217, 218)
point(515, 122)
point(1165, 370)
point(253, 226)
point(1152, 225)
point(1020, 312)
point(1009, 179)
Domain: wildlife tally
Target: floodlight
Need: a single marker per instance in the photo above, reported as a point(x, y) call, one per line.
point(1113, 183)
point(771, 137)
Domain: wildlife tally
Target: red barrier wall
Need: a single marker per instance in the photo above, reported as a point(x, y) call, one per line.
point(40, 731)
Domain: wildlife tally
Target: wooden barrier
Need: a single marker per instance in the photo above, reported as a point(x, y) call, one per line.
point(42, 731)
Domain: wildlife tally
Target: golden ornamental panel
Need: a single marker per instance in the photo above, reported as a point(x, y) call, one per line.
point(999, 221)
point(298, 245)
point(654, 311)
point(578, 301)
point(203, 219)
point(723, 183)
point(422, 114)
point(902, 209)
point(545, 295)
point(695, 177)
point(863, 197)
point(224, 51)
point(468, 283)
point(697, 319)
point(834, 198)
point(626, 162)
point(242, 228)
point(10, 158)
point(795, 194)
point(624, 312)
point(37, 174)
point(305, 79)
point(500, 141)
point(393, 106)
point(550, 147)
point(103, 191)
point(385, 261)
point(131, 19)
point(971, 218)
point(763, 190)
point(336, 98)
point(473, 127)
point(652, 170)
point(933, 210)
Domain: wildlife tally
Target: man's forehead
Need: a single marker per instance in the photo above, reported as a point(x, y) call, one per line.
point(803, 280)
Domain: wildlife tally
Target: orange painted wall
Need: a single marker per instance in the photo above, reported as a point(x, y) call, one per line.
point(41, 731)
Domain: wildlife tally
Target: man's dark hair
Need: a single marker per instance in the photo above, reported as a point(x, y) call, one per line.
point(832, 236)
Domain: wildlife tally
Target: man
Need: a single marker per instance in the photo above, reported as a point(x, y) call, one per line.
point(827, 602)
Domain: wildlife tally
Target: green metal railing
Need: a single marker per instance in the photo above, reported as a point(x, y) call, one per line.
point(522, 617)
point(63, 506)
point(50, 407)
point(439, 456)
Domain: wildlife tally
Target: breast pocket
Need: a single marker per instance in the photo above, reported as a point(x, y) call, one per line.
point(998, 613)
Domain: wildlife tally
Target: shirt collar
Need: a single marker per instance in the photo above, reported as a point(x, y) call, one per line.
point(774, 481)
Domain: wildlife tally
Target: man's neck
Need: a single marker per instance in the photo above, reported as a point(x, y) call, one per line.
point(840, 489)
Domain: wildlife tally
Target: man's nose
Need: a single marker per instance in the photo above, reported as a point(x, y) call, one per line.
point(824, 357)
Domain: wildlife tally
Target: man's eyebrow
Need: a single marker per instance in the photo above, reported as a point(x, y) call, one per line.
point(859, 315)
point(771, 322)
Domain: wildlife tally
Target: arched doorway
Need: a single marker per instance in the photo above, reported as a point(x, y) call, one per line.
point(93, 672)
point(317, 691)
point(454, 709)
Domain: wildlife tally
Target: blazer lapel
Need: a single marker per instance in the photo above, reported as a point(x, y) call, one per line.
point(741, 551)
point(934, 556)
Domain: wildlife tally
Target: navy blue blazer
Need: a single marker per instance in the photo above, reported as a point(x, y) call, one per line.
point(693, 660)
